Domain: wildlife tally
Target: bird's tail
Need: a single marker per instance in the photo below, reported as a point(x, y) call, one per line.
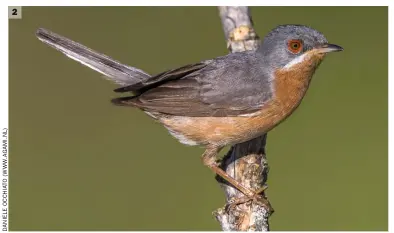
point(112, 69)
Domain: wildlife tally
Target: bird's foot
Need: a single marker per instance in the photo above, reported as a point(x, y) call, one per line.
point(256, 197)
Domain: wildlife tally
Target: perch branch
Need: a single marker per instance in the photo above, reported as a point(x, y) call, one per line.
point(246, 162)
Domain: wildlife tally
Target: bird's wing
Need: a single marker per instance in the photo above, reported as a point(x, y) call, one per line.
point(232, 85)
point(161, 78)
point(112, 69)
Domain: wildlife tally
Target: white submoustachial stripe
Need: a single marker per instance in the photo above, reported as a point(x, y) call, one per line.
point(295, 61)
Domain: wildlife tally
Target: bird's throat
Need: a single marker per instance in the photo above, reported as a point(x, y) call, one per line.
point(291, 83)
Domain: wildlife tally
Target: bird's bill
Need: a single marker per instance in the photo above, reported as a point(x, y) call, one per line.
point(327, 48)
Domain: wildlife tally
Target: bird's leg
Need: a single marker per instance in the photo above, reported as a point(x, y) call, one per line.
point(209, 159)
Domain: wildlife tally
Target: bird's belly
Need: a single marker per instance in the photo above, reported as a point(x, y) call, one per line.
point(226, 130)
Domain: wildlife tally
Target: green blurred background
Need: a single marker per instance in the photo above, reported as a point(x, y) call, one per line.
point(79, 163)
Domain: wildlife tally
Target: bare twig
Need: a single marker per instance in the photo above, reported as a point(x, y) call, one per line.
point(246, 162)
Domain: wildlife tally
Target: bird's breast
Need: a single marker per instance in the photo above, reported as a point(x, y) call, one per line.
point(290, 87)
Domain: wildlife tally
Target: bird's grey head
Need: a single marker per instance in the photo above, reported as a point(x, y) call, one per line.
point(288, 45)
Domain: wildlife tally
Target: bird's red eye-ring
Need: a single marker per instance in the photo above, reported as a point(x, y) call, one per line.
point(294, 46)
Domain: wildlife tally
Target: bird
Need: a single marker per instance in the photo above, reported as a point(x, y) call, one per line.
point(222, 101)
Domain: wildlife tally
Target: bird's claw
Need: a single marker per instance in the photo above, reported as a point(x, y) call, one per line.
point(254, 197)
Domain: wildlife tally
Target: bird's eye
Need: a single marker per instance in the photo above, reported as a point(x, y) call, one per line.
point(294, 46)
